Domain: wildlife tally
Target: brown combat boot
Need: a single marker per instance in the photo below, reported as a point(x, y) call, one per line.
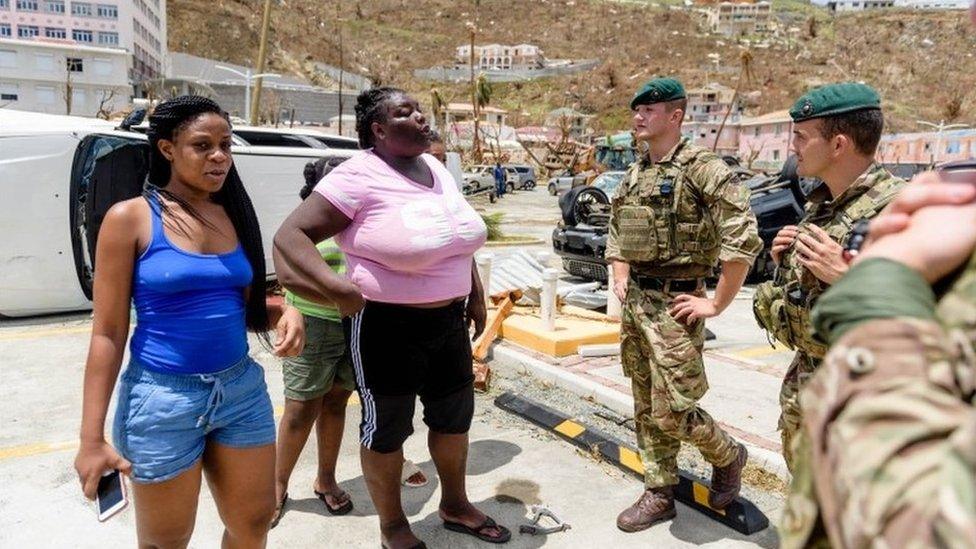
point(727, 480)
point(654, 505)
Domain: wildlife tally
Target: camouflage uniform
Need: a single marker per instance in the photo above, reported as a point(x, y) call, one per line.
point(783, 305)
point(675, 219)
point(889, 433)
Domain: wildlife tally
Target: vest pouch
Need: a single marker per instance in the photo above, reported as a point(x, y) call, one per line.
point(800, 327)
point(769, 308)
point(636, 233)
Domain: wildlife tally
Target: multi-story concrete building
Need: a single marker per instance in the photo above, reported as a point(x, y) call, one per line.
point(708, 106)
point(137, 26)
point(502, 57)
point(63, 78)
point(838, 6)
point(927, 147)
point(283, 98)
point(738, 18)
point(765, 140)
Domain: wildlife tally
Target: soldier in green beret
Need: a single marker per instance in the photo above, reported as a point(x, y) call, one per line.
point(886, 455)
point(835, 136)
point(679, 211)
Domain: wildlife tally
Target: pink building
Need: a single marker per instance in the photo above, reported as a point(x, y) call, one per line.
point(138, 26)
point(708, 106)
point(927, 147)
point(764, 141)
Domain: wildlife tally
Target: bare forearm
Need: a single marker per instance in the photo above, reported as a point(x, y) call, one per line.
point(477, 291)
point(620, 270)
point(729, 283)
point(101, 371)
point(300, 268)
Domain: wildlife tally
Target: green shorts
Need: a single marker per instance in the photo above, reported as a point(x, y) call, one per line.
point(323, 363)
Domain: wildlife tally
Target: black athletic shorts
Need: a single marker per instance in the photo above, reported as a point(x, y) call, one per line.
point(400, 352)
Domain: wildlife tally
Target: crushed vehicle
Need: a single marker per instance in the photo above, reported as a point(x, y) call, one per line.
point(61, 174)
point(580, 238)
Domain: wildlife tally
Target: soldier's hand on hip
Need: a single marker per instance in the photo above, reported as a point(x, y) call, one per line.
point(926, 189)
point(782, 242)
point(821, 254)
point(689, 309)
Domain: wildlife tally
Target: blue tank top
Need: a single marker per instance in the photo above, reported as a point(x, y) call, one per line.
point(189, 306)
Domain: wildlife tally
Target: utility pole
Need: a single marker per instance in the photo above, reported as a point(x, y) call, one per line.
point(940, 127)
point(339, 26)
point(262, 53)
point(475, 140)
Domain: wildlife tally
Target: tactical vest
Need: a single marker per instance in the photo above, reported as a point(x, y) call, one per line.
point(662, 219)
point(782, 306)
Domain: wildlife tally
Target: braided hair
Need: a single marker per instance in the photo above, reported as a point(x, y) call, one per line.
point(166, 122)
point(369, 109)
point(314, 171)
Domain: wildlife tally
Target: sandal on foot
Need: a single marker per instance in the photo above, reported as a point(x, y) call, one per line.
point(503, 536)
point(410, 471)
point(340, 510)
point(279, 510)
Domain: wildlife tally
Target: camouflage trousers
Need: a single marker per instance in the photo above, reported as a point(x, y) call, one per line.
point(800, 371)
point(663, 358)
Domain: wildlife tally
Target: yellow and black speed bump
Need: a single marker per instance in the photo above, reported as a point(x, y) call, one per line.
point(741, 515)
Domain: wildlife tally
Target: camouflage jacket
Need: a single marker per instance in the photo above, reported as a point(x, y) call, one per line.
point(889, 429)
point(783, 305)
point(681, 215)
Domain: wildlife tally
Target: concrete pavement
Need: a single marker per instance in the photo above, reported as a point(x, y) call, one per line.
point(512, 465)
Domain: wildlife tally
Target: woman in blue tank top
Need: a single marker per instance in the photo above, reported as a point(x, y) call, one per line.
point(187, 255)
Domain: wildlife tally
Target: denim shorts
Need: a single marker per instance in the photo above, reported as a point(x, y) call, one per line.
point(163, 421)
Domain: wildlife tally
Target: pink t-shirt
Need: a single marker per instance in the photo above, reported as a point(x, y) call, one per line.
point(407, 243)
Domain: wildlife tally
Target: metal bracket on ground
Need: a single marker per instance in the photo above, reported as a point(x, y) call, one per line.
point(741, 515)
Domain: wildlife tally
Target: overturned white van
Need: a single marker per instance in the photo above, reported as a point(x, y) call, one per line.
point(60, 174)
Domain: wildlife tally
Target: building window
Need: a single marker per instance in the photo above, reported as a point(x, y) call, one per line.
point(75, 64)
point(27, 31)
point(775, 155)
point(953, 147)
point(4, 4)
point(55, 32)
point(81, 9)
point(9, 92)
point(108, 38)
point(756, 132)
point(45, 94)
point(5, 30)
point(108, 11)
point(82, 35)
point(27, 5)
point(54, 6)
point(78, 98)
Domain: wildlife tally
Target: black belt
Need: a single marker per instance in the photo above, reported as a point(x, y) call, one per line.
point(665, 284)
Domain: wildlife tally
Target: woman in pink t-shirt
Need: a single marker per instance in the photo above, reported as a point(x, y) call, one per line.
point(410, 294)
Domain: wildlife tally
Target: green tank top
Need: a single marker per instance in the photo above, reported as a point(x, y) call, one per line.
point(333, 256)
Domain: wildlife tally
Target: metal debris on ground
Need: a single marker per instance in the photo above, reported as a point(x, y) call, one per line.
point(520, 271)
point(533, 528)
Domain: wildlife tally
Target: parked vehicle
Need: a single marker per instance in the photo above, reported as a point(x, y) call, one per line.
point(294, 137)
point(525, 175)
point(479, 179)
point(580, 238)
point(61, 174)
point(561, 183)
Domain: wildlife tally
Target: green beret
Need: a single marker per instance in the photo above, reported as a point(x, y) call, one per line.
point(658, 90)
point(834, 99)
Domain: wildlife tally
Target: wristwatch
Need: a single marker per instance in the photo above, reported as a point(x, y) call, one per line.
point(858, 235)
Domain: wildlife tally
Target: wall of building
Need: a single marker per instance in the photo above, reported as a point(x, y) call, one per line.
point(927, 147)
point(767, 143)
point(311, 107)
point(33, 76)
